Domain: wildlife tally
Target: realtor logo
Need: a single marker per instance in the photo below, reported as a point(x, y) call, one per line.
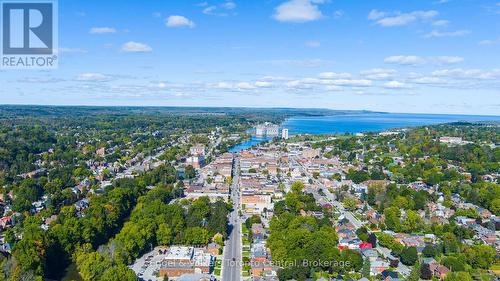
point(29, 34)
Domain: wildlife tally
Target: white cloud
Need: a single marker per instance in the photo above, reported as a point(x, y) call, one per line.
point(352, 82)
point(298, 11)
point(400, 19)
point(334, 88)
point(298, 84)
point(229, 5)
point(209, 10)
point(405, 60)
point(458, 78)
point(300, 63)
point(459, 73)
point(220, 10)
point(222, 86)
point(490, 42)
point(102, 30)
point(136, 47)
point(263, 84)
point(179, 21)
point(323, 83)
point(310, 80)
point(427, 80)
point(93, 77)
point(377, 81)
point(274, 78)
point(376, 14)
point(448, 60)
point(437, 34)
point(334, 75)
point(379, 73)
point(244, 86)
point(240, 86)
point(416, 60)
point(395, 85)
point(492, 8)
point(313, 44)
point(440, 23)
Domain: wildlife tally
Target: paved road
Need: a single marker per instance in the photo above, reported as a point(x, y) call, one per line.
point(347, 214)
point(329, 197)
point(232, 250)
point(403, 269)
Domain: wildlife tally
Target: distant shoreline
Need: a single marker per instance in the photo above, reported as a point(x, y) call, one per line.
point(225, 109)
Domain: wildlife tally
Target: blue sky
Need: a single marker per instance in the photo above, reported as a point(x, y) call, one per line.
point(437, 56)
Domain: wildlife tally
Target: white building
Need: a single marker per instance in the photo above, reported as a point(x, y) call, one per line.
point(450, 140)
point(260, 130)
point(180, 260)
point(267, 130)
point(196, 161)
point(272, 130)
point(453, 141)
point(284, 134)
point(197, 150)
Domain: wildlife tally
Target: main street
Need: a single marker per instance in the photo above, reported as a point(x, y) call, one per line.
point(231, 269)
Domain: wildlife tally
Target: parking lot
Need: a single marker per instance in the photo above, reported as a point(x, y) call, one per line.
point(147, 266)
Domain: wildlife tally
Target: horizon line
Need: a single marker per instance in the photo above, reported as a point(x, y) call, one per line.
point(240, 107)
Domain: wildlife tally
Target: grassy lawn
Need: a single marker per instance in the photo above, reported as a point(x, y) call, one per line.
point(246, 241)
point(359, 217)
point(217, 271)
point(244, 229)
point(246, 270)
